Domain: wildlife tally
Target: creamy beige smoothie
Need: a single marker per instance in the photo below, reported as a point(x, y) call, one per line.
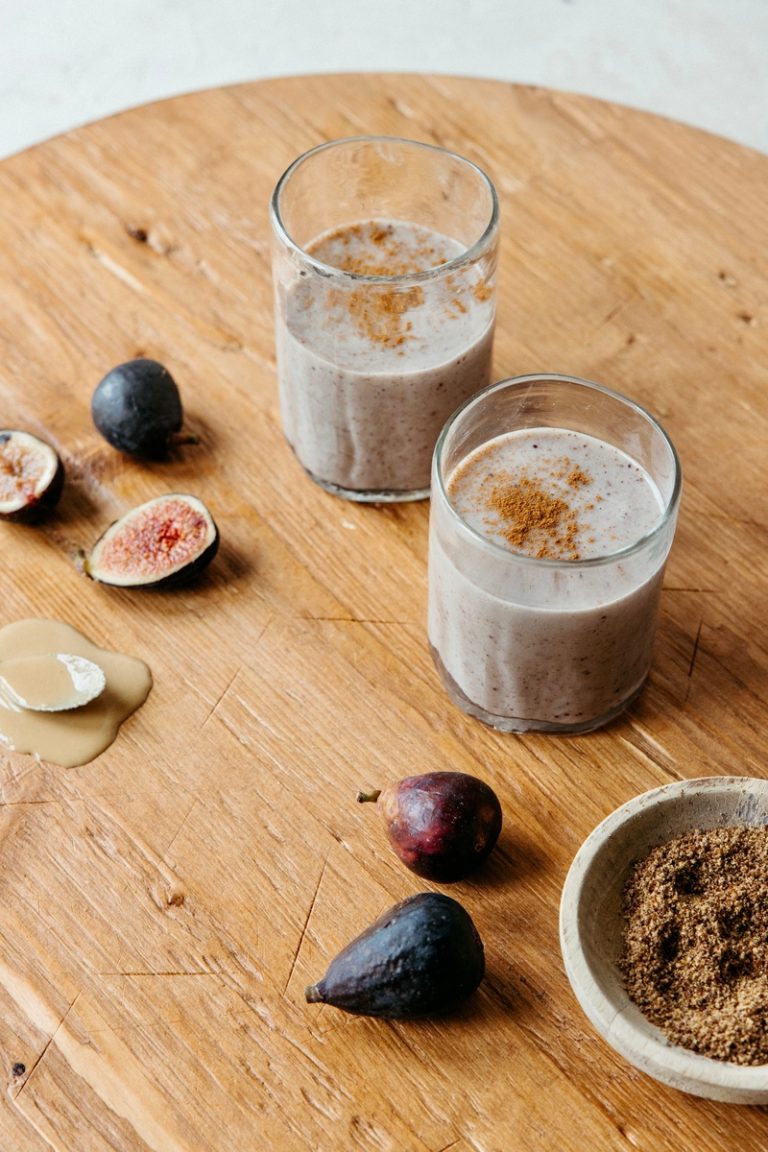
point(534, 619)
point(369, 370)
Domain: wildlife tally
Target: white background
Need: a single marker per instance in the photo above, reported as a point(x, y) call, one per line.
point(65, 62)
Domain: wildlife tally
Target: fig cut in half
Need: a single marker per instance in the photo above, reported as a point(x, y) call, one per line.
point(166, 542)
point(31, 476)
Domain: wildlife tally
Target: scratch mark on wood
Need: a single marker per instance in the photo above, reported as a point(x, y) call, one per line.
point(25, 803)
point(50, 1041)
point(729, 518)
point(306, 921)
point(15, 777)
point(401, 107)
point(744, 683)
point(695, 652)
point(694, 655)
point(235, 675)
point(226, 689)
point(650, 745)
point(615, 311)
point(353, 620)
point(506, 999)
point(179, 830)
point(148, 972)
point(117, 270)
point(680, 588)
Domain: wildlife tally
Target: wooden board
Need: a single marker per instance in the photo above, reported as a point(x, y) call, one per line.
point(164, 906)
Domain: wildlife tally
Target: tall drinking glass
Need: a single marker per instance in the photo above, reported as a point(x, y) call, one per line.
point(384, 262)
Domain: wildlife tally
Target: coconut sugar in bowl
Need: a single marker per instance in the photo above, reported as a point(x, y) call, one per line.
point(594, 927)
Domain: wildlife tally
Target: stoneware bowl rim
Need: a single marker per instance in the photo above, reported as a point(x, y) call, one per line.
point(590, 927)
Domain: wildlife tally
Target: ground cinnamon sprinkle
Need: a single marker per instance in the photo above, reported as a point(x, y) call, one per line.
point(528, 510)
point(577, 479)
point(386, 254)
point(695, 947)
point(482, 291)
point(535, 519)
point(380, 311)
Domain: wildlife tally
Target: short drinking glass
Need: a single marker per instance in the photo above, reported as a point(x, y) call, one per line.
point(554, 504)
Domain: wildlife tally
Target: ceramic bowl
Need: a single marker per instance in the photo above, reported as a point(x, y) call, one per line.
point(591, 927)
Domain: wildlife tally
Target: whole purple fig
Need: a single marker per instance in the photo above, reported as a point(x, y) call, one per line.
point(442, 825)
point(423, 957)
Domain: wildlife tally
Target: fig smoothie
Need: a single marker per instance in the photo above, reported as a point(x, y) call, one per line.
point(540, 615)
point(370, 369)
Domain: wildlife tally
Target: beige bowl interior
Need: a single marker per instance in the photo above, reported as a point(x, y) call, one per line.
point(591, 927)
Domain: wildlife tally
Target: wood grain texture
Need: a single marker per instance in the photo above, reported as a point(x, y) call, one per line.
point(164, 906)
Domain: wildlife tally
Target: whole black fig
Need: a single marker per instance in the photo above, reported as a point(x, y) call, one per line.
point(31, 476)
point(163, 543)
point(442, 825)
point(423, 957)
point(137, 408)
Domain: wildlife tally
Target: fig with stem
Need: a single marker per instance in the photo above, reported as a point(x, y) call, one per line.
point(442, 825)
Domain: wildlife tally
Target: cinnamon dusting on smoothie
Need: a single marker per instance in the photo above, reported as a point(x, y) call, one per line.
point(378, 249)
point(371, 369)
point(577, 479)
point(381, 316)
point(529, 644)
point(533, 520)
point(482, 291)
point(534, 515)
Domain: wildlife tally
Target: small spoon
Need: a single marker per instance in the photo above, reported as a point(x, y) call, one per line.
point(49, 682)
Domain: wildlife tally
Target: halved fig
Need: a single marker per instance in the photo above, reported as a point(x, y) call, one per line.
point(31, 476)
point(137, 409)
point(165, 542)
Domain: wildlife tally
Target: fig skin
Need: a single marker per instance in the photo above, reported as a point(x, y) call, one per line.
point(442, 825)
point(38, 502)
point(137, 408)
point(152, 530)
point(423, 957)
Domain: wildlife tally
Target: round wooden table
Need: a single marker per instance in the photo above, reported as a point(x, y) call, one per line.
point(164, 906)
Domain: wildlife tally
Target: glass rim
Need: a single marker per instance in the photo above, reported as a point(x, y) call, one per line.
point(468, 256)
point(590, 562)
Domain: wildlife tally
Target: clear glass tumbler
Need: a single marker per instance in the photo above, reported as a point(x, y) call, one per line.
point(384, 265)
point(554, 505)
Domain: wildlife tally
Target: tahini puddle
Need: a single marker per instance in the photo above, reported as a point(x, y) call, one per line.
point(75, 737)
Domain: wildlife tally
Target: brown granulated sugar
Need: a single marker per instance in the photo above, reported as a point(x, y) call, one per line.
point(695, 947)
